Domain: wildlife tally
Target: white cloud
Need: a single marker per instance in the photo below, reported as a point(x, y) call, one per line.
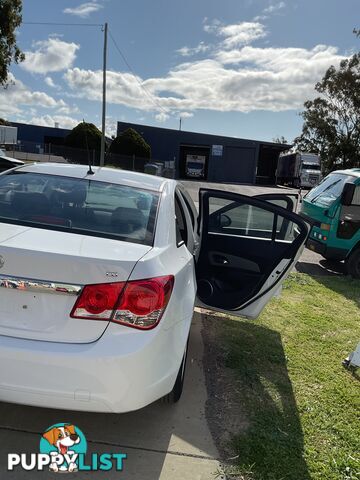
point(84, 10)
point(51, 55)
point(50, 121)
point(189, 51)
point(162, 117)
point(237, 34)
point(241, 34)
point(243, 80)
point(275, 7)
point(186, 114)
point(17, 95)
point(50, 83)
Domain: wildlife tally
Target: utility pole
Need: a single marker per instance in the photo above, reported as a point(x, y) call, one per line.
point(102, 151)
point(180, 123)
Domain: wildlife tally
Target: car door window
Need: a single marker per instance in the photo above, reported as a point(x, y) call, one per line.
point(234, 218)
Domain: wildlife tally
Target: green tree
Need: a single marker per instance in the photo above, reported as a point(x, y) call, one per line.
point(332, 120)
point(85, 136)
point(281, 140)
point(4, 122)
point(10, 20)
point(130, 142)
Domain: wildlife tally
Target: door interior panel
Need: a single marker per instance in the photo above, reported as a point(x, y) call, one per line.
point(234, 280)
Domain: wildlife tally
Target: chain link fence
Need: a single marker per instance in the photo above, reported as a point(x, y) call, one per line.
point(35, 152)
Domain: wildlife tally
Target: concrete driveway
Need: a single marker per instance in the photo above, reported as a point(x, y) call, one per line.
point(162, 441)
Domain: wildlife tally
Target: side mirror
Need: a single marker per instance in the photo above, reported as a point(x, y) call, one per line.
point(347, 194)
point(225, 220)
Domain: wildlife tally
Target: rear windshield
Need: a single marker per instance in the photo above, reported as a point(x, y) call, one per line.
point(81, 206)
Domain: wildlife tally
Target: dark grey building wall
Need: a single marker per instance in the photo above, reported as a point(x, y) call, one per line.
point(239, 163)
point(37, 133)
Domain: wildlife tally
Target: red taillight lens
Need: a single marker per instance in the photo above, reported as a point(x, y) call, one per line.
point(140, 304)
point(98, 301)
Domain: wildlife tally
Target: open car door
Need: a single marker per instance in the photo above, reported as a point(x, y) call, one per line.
point(286, 200)
point(247, 248)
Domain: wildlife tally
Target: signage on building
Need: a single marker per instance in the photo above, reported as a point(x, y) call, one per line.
point(217, 150)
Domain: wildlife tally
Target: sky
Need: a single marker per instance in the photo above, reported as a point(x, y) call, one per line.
point(240, 68)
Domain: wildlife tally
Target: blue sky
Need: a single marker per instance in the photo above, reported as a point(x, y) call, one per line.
point(230, 67)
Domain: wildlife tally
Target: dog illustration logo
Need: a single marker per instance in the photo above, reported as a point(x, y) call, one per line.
point(63, 442)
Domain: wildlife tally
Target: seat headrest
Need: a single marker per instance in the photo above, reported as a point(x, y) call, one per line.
point(29, 203)
point(126, 220)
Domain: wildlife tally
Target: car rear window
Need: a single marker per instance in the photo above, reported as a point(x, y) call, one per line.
point(76, 205)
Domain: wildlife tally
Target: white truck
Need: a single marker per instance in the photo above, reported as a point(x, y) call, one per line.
point(299, 170)
point(8, 135)
point(195, 166)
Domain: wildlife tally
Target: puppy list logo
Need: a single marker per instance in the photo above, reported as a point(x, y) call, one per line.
point(63, 449)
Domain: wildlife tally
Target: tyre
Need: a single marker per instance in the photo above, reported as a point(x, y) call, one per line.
point(353, 264)
point(175, 394)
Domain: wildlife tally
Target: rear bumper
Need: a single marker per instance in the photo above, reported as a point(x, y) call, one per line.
point(123, 371)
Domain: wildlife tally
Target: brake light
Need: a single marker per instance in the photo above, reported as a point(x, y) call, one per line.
point(138, 303)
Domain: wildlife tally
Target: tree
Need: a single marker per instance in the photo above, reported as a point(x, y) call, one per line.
point(281, 140)
point(130, 142)
point(10, 20)
point(332, 120)
point(4, 122)
point(85, 136)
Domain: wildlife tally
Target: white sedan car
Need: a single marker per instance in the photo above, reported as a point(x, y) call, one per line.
point(99, 273)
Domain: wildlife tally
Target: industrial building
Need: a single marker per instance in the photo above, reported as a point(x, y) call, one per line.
point(226, 159)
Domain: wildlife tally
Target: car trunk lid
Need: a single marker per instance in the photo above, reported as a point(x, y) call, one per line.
point(42, 272)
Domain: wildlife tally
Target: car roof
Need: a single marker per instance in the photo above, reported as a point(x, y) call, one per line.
point(101, 174)
point(355, 172)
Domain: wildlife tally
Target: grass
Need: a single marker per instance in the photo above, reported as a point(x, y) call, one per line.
point(303, 407)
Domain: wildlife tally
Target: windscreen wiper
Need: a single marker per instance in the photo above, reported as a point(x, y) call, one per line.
point(327, 188)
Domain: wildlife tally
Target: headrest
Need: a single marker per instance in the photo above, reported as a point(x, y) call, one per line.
point(123, 217)
point(27, 203)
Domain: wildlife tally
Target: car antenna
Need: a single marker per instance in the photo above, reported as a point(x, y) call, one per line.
point(90, 171)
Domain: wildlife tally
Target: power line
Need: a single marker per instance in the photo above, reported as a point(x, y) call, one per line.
point(65, 24)
point(150, 96)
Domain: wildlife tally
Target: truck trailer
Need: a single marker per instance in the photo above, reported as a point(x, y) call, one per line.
point(299, 170)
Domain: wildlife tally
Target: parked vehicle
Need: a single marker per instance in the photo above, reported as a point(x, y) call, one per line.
point(8, 135)
point(195, 166)
point(98, 278)
point(8, 162)
point(334, 208)
point(299, 170)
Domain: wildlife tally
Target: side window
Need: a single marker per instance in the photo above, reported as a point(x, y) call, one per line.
point(180, 223)
point(356, 197)
point(243, 220)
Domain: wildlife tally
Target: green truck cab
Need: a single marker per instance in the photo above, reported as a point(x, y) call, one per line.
point(333, 208)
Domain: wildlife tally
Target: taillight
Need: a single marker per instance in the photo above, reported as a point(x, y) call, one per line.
point(138, 303)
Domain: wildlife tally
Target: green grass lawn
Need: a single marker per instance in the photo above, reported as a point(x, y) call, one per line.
point(302, 406)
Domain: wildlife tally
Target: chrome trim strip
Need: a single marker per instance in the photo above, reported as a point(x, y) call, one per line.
point(39, 286)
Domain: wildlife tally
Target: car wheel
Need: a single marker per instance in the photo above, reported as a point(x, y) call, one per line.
point(175, 394)
point(353, 264)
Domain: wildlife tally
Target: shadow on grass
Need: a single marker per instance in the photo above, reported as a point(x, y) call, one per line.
point(267, 443)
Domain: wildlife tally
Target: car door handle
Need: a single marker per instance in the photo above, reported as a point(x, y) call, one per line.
point(220, 259)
